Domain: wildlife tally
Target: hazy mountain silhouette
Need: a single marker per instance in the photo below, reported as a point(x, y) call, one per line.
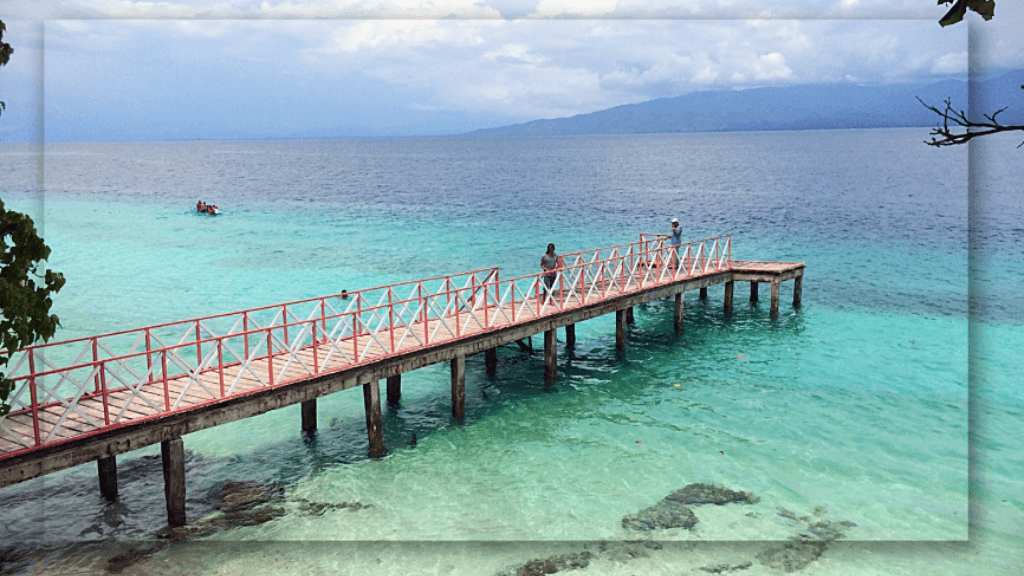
point(804, 107)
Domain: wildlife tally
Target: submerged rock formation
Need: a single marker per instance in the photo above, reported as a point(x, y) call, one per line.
point(805, 547)
point(674, 510)
point(664, 514)
point(541, 566)
point(697, 494)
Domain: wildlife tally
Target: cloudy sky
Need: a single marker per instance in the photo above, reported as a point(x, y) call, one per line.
point(121, 70)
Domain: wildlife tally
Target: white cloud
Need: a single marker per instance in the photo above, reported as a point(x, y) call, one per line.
point(952, 63)
point(577, 8)
point(540, 67)
point(772, 67)
point(386, 35)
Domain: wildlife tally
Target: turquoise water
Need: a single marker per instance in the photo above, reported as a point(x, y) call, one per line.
point(880, 401)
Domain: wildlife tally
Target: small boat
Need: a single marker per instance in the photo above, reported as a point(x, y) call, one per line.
point(210, 209)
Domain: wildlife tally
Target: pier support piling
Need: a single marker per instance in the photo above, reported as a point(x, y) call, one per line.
point(775, 300)
point(798, 284)
point(677, 319)
point(394, 389)
point(620, 330)
point(374, 428)
point(728, 297)
point(172, 453)
point(629, 316)
point(491, 361)
point(309, 416)
point(459, 387)
point(570, 335)
point(753, 291)
point(704, 293)
point(526, 345)
point(108, 477)
point(550, 355)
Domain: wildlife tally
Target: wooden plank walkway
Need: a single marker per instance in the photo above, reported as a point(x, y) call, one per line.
point(110, 413)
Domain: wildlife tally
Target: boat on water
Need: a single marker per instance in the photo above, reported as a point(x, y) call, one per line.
point(209, 209)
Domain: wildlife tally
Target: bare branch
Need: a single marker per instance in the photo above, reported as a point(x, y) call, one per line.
point(957, 128)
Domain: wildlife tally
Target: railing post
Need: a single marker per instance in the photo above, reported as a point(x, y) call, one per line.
point(32, 392)
point(95, 360)
point(561, 285)
point(103, 391)
point(199, 349)
point(284, 320)
point(458, 328)
point(163, 370)
point(483, 288)
point(245, 331)
point(220, 364)
point(149, 359)
point(391, 319)
point(423, 312)
point(355, 339)
point(316, 344)
point(323, 317)
point(270, 357)
point(497, 293)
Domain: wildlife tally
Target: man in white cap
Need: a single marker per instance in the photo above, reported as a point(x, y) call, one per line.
point(675, 239)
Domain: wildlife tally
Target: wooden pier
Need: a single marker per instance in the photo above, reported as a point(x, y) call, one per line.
point(94, 398)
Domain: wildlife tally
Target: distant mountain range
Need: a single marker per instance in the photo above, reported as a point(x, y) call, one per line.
point(804, 107)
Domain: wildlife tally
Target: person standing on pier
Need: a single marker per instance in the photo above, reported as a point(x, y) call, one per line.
point(549, 261)
point(675, 240)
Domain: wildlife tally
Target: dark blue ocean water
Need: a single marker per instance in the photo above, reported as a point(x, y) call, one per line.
point(858, 403)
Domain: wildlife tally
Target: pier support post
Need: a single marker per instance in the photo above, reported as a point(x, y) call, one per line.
point(491, 361)
point(775, 300)
point(459, 387)
point(728, 297)
point(394, 389)
point(172, 453)
point(704, 293)
point(629, 316)
point(550, 355)
point(108, 477)
point(677, 320)
point(374, 428)
point(526, 345)
point(798, 284)
point(620, 330)
point(753, 291)
point(570, 335)
point(309, 416)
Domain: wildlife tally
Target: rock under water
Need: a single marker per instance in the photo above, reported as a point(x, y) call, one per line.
point(674, 510)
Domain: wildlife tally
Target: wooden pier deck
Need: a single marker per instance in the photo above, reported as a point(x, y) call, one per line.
point(94, 398)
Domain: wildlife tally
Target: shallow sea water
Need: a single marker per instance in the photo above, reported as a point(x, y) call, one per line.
point(879, 402)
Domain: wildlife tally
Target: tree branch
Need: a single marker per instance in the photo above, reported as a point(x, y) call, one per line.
point(957, 128)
